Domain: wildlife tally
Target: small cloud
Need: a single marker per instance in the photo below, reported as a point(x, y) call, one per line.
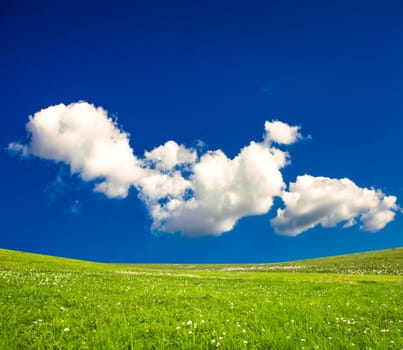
point(60, 186)
point(74, 207)
point(281, 133)
point(17, 149)
point(313, 201)
point(201, 146)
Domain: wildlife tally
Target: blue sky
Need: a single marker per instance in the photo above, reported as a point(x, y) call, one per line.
point(210, 74)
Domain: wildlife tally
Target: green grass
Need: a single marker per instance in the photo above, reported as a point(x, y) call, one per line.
point(347, 302)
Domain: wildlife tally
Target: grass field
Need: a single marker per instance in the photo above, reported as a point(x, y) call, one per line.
point(347, 302)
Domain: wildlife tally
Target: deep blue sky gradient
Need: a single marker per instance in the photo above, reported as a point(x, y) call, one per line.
point(200, 70)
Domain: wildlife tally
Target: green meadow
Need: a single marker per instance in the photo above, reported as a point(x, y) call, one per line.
point(346, 302)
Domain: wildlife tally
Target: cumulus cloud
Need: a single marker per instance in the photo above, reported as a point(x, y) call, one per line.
point(200, 192)
point(223, 190)
point(313, 201)
point(281, 133)
point(86, 139)
point(170, 154)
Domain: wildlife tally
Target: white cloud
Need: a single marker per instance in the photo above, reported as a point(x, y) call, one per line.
point(17, 148)
point(86, 139)
point(313, 201)
point(170, 154)
point(74, 207)
point(281, 133)
point(156, 186)
point(223, 191)
point(205, 194)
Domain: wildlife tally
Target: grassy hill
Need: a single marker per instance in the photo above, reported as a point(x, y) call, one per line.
point(379, 262)
point(351, 301)
point(11, 259)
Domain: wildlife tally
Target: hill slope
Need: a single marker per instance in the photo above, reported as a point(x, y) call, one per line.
point(15, 259)
point(380, 262)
